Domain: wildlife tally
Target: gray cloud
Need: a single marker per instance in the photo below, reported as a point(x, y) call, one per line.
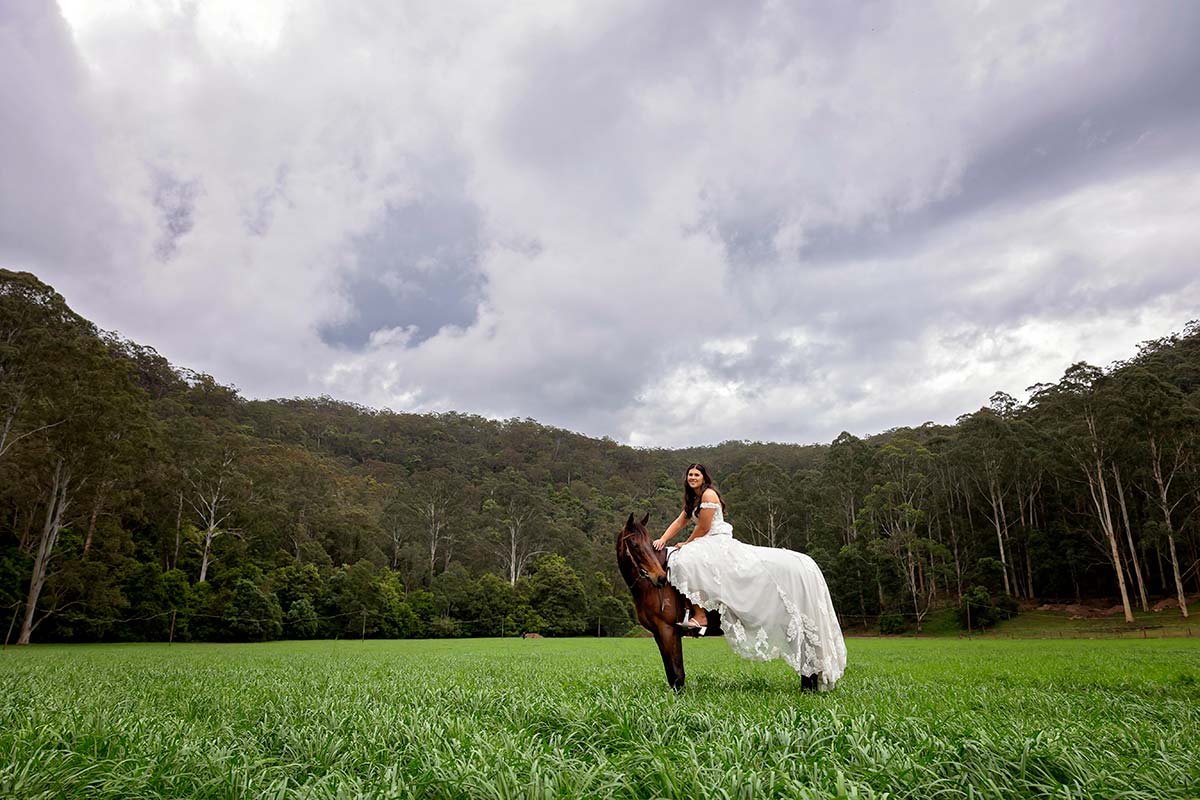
point(417, 269)
point(175, 200)
point(259, 212)
point(54, 210)
point(668, 223)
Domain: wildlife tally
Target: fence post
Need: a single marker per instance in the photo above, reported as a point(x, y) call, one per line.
point(17, 610)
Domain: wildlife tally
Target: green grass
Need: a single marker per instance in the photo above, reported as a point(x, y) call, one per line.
point(555, 718)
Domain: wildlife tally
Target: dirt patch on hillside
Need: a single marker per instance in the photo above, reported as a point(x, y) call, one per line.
point(1081, 611)
point(1097, 609)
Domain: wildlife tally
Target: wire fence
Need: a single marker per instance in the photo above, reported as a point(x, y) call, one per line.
point(1094, 623)
point(1097, 628)
point(174, 612)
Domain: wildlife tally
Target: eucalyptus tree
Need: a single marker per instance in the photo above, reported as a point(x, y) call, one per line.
point(1070, 412)
point(1164, 429)
point(100, 418)
point(35, 326)
point(763, 494)
point(217, 484)
point(295, 492)
point(988, 448)
point(516, 511)
point(846, 468)
point(949, 498)
point(434, 501)
point(894, 511)
point(1116, 416)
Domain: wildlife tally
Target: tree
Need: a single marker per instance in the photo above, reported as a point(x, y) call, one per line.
point(762, 493)
point(987, 443)
point(90, 415)
point(214, 482)
point(35, 324)
point(556, 593)
point(1164, 428)
point(252, 614)
point(434, 504)
point(846, 467)
point(893, 510)
point(514, 508)
point(1070, 410)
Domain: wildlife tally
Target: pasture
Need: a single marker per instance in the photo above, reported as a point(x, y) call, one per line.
point(558, 718)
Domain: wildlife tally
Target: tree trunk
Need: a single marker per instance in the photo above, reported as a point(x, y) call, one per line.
point(912, 585)
point(178, 531)
point(1000, 522)
point(1029, 573)
point(26, 543)
point(101, 490)
point(1165, 505)
point(1099, 492)
point(1133, 557)
point(209, 535)
point(56, 507)
point(9, 418)
point(514, 531)
point(954, 550)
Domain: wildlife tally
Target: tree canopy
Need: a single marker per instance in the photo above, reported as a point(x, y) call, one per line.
point(144, 501)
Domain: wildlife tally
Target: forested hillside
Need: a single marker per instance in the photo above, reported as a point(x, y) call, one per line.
point(142, 501)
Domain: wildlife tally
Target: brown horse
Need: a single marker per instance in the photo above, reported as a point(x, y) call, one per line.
point(659, 606)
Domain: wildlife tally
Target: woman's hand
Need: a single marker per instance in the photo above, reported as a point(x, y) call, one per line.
point(659, 542)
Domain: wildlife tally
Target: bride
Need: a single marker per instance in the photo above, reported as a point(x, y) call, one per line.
point(773, 602)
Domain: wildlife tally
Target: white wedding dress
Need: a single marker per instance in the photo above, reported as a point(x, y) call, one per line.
point(773, 602)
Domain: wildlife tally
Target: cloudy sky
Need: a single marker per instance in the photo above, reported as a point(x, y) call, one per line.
point(670, 223)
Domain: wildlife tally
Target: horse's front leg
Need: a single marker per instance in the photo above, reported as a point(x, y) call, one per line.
point(670, 645)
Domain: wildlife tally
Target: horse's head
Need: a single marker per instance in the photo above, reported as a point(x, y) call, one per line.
point(637, 556)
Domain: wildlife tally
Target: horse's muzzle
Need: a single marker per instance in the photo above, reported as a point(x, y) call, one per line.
point(658, 580)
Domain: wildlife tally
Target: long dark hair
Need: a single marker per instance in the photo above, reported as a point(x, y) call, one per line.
point(691, 498)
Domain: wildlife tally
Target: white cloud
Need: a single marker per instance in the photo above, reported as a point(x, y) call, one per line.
point(693, 222)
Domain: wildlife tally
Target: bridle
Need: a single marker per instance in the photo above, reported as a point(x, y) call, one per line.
point(645, 576)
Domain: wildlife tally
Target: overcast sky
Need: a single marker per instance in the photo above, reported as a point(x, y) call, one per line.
point(671, 223)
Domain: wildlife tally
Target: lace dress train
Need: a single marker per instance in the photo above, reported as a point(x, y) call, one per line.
point(774, 603)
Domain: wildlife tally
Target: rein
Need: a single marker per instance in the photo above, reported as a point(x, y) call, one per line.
point(644, 576)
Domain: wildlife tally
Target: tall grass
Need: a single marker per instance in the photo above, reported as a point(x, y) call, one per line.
point(558, 718)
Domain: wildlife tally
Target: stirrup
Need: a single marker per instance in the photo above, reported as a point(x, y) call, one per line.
point(699, 630)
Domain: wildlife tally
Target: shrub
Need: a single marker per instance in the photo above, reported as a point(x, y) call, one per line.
point(301, 621)
point(892, 624)
point(980, 610)
point(252, 614)
point(445, 628)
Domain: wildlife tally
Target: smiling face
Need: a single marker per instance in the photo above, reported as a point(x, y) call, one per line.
point(695, 479)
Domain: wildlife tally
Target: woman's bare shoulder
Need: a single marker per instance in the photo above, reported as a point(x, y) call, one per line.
point(710, 496)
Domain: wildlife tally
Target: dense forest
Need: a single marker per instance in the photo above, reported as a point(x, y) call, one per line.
point(142, 501)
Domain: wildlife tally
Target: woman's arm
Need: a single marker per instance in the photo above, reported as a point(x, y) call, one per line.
point(705, 517)
point(675, 528)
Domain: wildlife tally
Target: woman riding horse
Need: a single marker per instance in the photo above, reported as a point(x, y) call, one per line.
point(774, 603)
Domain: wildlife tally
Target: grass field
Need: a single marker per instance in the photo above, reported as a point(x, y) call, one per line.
point(585, 717)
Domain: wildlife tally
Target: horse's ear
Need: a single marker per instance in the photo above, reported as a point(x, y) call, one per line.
point(645, 519)
point(629, 522)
